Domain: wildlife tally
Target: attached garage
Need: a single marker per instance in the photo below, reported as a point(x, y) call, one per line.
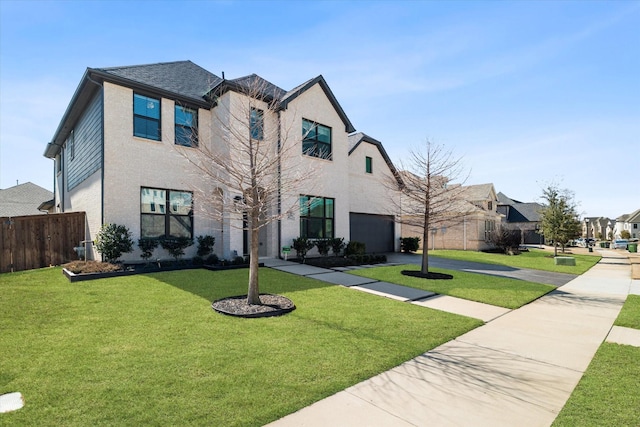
point(375, 231)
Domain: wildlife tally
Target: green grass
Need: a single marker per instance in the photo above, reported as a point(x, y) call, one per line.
point(149, 350)
point(629, 316)
point(500, 291)
point(609, 392)
point(534, 259)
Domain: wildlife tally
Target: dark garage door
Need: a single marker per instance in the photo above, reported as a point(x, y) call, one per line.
point(375, 231)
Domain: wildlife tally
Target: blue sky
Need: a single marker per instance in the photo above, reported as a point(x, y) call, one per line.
point(527, 92)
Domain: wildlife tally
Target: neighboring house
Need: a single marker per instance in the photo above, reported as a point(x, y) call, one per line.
point(523, 216)
point(629, 222)
point(114, 157)
point(25, 199)
point(474, 216)
point(597, 227)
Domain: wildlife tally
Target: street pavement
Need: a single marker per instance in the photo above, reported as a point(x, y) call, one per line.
point(517, 369)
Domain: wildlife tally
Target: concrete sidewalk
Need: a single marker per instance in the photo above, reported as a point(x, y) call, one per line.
point(518, 369)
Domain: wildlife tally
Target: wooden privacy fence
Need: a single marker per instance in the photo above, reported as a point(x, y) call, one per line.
point(37, 241)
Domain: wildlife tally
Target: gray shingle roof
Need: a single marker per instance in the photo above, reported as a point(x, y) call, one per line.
point(23, 199)
point(183, 78)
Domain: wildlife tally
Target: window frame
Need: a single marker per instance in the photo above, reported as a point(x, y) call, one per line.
point(368, 164)
point(72, 145)
point(167, 213)
point(327, 221)
point(146, 118)
point(256, 124)
point(311, 137)
point(192, 129)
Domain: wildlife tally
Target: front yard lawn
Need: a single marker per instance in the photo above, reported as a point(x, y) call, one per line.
point(500, 291)
point(149, 350)
point(535, 259)
point(609, 392)
point(629, 316)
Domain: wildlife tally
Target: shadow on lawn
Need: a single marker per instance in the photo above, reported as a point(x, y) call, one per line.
point(214, 285)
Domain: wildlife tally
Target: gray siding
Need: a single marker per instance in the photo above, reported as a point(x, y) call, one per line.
point(87, 136)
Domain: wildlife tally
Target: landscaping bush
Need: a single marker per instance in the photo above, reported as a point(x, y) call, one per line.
point(355, 248)
point(176, 245)
point(409, 244)
point(323, 246)
point(197, 260)
point(112, 241)
point(205, 245)
point(337, 245)
point(507, 240)
point(212, 259)
point(147, 246)
point(302, 245)
point(238, 261)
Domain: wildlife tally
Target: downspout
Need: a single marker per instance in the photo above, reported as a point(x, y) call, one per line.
point(279, 187)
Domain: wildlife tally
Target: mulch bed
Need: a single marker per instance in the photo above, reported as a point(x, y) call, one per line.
point(430, 275)
point(272, 305)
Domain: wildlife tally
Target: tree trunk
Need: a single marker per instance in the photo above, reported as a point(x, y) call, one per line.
point(253, 293)
point(424, 268)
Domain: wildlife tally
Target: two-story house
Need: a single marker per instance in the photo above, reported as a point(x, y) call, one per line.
point(122, 154)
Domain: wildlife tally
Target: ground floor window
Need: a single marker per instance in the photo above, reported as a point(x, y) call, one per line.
point(316, 217)
point(166, 213)
point(489, 228)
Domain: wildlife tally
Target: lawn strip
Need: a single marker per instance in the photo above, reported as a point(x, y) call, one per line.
point(534, 259)
point(608, 393)
point(499, 291)
point(149, 350)
point(629, 316)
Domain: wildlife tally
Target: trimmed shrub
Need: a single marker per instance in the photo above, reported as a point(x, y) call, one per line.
point(302, 245)
point(147, 246)
point(176, 245)
point(205, 245)
point(337, 245)
point(355, 248)
point(409, 244)
point(323, 246)
point(113, 240)
point(212, 259)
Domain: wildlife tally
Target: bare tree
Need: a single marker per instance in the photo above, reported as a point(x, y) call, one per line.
point(429, 197)
point(249, 157)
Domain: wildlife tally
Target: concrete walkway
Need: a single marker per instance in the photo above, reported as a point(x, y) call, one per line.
point(518, 369)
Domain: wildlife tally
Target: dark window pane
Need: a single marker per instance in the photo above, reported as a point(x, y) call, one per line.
point(152, 226)
point(146, 128)
point(180, 226)
point(317, 207)
point(324, 134)
point(315, 228)
point(256, 123)
point(304, 206)
point(145, 106)
point(329, 208)
point(328, 227)
point(368, 166)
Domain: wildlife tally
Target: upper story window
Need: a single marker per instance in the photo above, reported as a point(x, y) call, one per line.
point(368, 166)
point(186, 126)
point(146, 117)
point(256, 124)
point(490, 206)
point(316, 139)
